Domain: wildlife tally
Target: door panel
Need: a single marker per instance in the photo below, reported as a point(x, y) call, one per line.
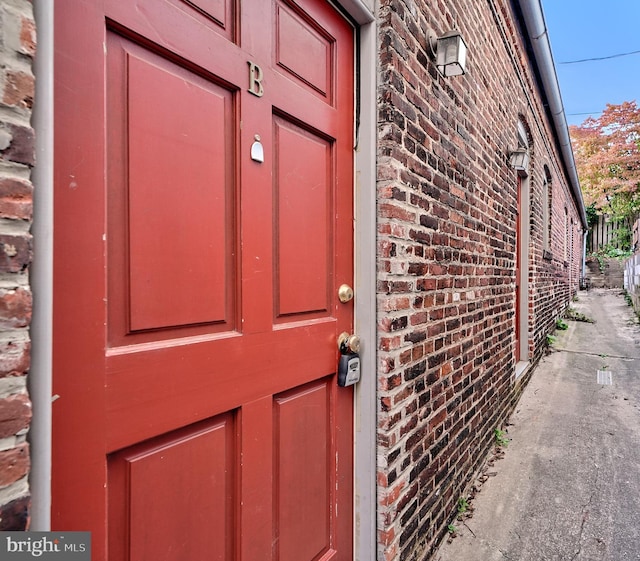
point(304, 50)
point(197, 316)
point(170, 226)
point(302, 428)
point(219, 12)
point(150, 485)
point(304, 225)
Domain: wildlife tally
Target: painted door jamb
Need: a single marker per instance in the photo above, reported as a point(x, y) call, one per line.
point(365, 422)
point(40, 374)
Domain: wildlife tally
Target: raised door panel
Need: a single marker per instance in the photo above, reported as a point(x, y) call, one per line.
point(304, 222)
point(221, 12)
point(192, 22)
point(304, 50)
point(172, 266)
point(305, 468)
point(179, 254)
point(174, 498)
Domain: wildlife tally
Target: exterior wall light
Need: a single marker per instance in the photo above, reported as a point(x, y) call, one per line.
point(519, 160)
point(450, 52)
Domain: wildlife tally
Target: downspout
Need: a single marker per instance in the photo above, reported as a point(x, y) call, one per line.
point(40, 374)
point(585, 233)
point(538, 36)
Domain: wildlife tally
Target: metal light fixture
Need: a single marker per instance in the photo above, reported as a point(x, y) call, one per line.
point(519, 160)
point(450, 52)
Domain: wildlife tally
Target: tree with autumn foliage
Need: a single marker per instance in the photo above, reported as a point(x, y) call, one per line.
point(607, 153)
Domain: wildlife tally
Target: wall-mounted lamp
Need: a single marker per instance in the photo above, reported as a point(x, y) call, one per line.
point(450, 52)
point(519, 160)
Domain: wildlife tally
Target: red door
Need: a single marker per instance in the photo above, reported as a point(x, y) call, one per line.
point(196, 311)
point(518, 259)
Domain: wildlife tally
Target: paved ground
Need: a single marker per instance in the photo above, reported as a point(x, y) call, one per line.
point(568, 486)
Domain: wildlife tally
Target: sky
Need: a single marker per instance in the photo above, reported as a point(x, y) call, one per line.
point(580, 29)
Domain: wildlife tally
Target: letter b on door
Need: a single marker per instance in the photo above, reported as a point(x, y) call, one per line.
point(255, 79)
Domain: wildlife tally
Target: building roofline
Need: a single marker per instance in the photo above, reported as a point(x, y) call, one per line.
point(538, 38)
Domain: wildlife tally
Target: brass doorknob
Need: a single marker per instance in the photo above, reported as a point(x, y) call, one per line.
point(345, 293)
point(348, 343)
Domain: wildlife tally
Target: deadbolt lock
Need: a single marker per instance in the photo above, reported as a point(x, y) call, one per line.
point(345, 293)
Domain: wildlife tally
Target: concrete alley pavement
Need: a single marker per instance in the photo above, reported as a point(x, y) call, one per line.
point(568, 487)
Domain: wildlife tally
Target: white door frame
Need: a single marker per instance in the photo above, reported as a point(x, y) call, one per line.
point(40, 377)
point(365, 420)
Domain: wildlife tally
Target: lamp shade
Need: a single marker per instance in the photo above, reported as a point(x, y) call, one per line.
point(519, 160)
point(451, 54)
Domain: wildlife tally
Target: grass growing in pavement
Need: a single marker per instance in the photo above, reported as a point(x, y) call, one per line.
point(574, 315)
point(500, 437)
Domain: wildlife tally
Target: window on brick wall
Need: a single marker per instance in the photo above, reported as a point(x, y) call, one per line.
point(566, 236)
point(546, 214)
point(571, 243)
point(523, 141)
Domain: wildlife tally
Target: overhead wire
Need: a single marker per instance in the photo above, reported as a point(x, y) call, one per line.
point(595, 59)
point(589, 113)
point(600, 58)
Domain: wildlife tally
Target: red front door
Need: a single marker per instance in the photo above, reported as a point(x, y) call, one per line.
point(518, 259)
point(203, 225)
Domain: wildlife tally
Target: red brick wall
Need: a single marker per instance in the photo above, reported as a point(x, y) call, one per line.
point(446, 257)
point(554, 280)
point(17, 157)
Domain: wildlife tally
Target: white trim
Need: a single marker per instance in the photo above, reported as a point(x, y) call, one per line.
point(523, 142)
point(546, 214)
point(365, 419)
point(362, 11)
point(523, 364)
point(522, 367)
point(365, 323)
point(41, 274)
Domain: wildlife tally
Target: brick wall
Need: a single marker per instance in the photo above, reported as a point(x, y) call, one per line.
point(554, 278)
point(447, 218)
point(17, 49)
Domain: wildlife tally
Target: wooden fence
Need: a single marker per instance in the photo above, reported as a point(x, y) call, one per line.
point(606, 232)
